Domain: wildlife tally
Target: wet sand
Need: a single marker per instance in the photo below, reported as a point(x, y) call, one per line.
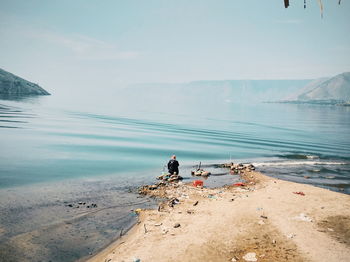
point(263, 221)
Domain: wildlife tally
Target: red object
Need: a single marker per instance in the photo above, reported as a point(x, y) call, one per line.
point(197, 183)
point(299, 193)
point(239, 184)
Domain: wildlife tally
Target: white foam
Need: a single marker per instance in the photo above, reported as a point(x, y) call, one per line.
point(298, 163)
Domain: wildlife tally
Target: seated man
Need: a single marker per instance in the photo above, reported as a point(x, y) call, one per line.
point(173, 166)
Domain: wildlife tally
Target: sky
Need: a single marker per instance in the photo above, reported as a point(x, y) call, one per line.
point(86, 44)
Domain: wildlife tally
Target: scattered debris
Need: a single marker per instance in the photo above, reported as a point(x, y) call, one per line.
point(195, 203)
point(239, 168)
point(299, 193)
point(200, 172)
point(144, 225)
point(197, 183)
point(169, 178)
point(239, 184)
point(264, 217)
point(251, 256)
point(159, 224)
point(177, 225)
point(173, 201)
point(291, 236)
point(261, 222)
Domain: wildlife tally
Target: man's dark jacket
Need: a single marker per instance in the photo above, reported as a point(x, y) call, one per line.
point(173, 166)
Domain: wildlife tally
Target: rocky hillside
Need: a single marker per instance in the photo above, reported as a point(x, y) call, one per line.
point(11, 84)
point(336, 89)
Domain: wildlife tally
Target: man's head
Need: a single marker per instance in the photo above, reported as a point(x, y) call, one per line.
point(173, 157)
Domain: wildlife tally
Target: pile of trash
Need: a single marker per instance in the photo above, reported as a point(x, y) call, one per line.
point(200, 172)
point(170, 178)
point(165, 180)
point(239, 168)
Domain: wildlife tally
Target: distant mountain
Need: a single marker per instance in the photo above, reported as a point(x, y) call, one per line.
point(220, 91)
point(332, 90)
point(12, 85)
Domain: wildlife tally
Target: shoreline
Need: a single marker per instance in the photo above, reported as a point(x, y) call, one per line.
point(265, 220)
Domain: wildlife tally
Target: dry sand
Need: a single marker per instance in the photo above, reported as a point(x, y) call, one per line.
point(264, 218)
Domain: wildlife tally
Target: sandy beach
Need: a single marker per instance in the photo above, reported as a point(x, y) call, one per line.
point(265, 220)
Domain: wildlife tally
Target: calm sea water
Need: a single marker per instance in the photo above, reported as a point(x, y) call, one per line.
point(56, 151)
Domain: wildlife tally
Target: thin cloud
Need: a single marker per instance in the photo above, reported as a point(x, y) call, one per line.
point(87, 48)
point(79, 46)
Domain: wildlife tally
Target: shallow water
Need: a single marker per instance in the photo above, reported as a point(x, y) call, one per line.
point(56, 152)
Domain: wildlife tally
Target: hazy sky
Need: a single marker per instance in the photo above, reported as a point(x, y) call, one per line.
point(93, 44)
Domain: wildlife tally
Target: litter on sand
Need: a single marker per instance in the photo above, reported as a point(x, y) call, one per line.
point(198, 183)
point(303, 217)
point(251, 256)
point(239, 184)
point(299, 193)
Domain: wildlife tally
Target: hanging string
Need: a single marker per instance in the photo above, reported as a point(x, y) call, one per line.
point(321, 7)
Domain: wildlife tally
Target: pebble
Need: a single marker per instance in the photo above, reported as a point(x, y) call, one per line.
point(250, 257)
point(303, 217)
point(177, 225)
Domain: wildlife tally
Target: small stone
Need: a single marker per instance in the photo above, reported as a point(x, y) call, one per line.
point(274, 241)
point(177, 225)
point(261, 222)
point(153, 187)
point(233, 260)
point(251, 256)
point(291, 236)
point(330, 229)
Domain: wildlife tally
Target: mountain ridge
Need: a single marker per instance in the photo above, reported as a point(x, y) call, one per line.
point(12, 85)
